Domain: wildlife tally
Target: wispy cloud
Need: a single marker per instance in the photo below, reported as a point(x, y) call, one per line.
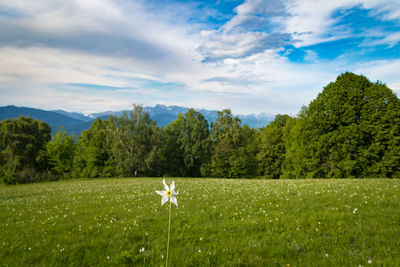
point(217, 46)
point(257, 15)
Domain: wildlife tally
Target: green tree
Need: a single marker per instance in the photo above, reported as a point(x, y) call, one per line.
point(231, 157)
point(93, 155)
point(137, 144)
point(173, 155)
point(248, 152)
point(23, 148)
point(272, 146)
point(60, 153)
point(187, 146)
point(352, 129)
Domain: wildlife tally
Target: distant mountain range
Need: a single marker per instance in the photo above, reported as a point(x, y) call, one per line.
point(75, 122)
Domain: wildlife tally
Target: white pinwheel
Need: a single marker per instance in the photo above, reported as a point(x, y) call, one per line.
point(168, 193)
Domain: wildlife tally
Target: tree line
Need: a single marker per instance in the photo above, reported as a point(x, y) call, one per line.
point(352, 129)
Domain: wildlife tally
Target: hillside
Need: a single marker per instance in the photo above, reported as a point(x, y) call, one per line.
point(54, 119)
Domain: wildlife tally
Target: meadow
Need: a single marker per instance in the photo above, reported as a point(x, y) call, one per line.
point(219, 222)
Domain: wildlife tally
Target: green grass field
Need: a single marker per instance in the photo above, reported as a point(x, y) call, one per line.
point(218, 222)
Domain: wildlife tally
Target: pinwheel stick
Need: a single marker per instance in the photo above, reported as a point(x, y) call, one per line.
point(169, 231)
point(168, 194)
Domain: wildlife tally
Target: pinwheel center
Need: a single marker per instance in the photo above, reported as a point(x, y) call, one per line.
point(169, 193)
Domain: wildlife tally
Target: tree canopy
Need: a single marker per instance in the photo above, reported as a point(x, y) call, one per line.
point(272, 145)
point(23, 148)
point(350, 130)
point(60, 153)
point(232, 154)
point(187, 145)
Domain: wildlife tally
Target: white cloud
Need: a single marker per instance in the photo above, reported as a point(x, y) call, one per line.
point(254, 29)
point(103, 26)
point(217, 46)
point(62, 17)
point(382, 70)
point(256, 13)
point(49, 65)
point(262, 25)
point(386, 9)
point(388, 39)
point(311, 21)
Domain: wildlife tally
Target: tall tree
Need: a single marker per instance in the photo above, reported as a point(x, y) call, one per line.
point(60, 153)
point(137, 144)
point(173, 154)
point(187, 148)
point(93, 157)
point(352, 129)
point(230, 155)
point(272, 146)
point(23, 148)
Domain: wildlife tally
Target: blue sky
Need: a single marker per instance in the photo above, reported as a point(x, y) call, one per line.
point(250, 56)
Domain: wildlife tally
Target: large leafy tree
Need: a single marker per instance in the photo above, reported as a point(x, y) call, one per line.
point(272, 146)
point(60, 153)
point(93, 155)
point(187, 146)
point(23, 148)
point(352, 129)
point(231, 154)
point(137, 144)
point(173, 155)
